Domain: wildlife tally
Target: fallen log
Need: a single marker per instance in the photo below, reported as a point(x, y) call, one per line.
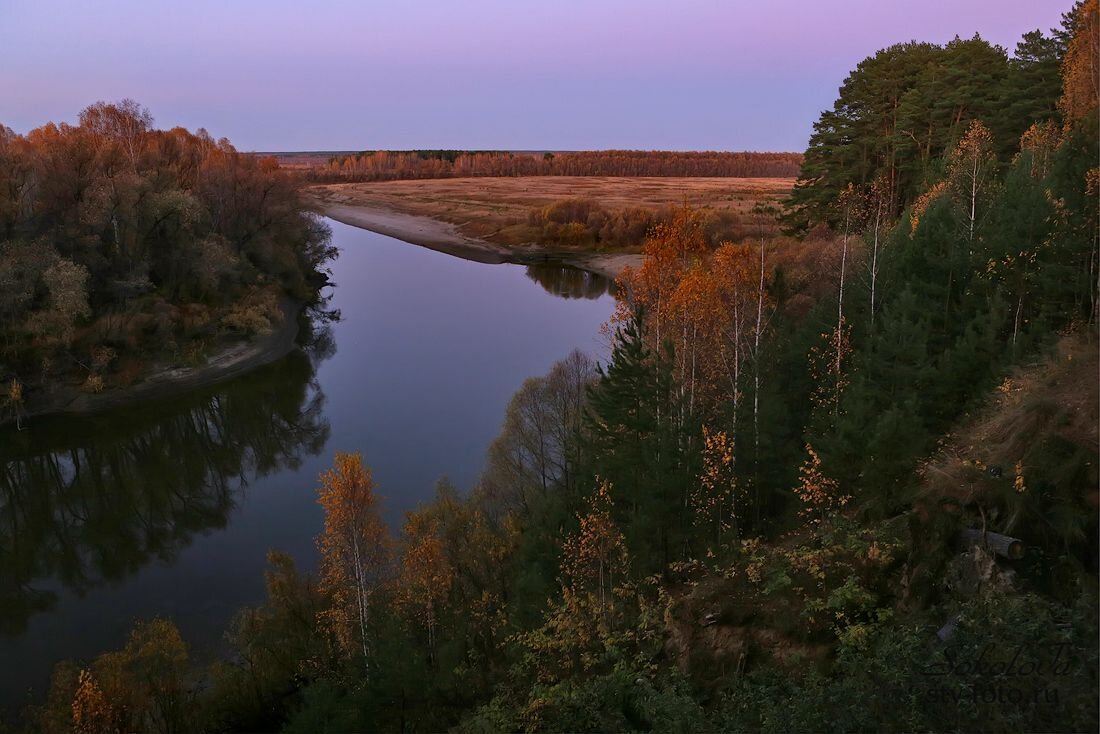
point(1003, 545)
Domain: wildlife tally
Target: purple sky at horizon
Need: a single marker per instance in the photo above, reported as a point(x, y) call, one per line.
point(500, 74)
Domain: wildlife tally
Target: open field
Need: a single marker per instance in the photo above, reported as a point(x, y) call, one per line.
point(303, 161)
point(498, 210)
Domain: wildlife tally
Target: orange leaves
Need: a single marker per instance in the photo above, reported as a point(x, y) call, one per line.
point(669, 251)
point(697, 301)
point(736, 271)
point(971, 161)
point(92, 713)
point(354, 532)
point(596, 554)
point(354, 549)
point(1040, 140)
point(704, 303)
point(415, 164)
point(15, 391)
point(717, 457)
point(819, 494)
point(1080, 66)
point(146, 684)
point(976, 145)
point(828, 363)
point(851, 204)
point(970, 169)
point(426, 573)
point(714, 500)
point(921, 205)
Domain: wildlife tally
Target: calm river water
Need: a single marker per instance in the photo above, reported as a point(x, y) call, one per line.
point(169, 508)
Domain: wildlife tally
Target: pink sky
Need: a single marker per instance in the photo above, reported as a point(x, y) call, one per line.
point(506, 74)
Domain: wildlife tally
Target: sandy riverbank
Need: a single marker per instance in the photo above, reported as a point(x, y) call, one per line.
point(165, 380)
point(445, 237)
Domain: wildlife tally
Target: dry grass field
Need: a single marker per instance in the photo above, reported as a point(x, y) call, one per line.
point(498, 210)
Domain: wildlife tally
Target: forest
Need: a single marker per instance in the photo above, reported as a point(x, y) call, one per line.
point(384, 165)
point(121, 244)
point(840, 479)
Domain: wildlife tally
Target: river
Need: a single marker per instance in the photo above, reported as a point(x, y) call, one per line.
point(169, 508)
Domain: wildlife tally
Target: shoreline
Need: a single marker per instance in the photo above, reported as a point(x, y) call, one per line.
point(164, 380)
point(445, 237)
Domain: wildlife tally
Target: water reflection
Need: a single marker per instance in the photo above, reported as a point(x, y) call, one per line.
point(428, 359)
point(91, 500)
point(568, 282)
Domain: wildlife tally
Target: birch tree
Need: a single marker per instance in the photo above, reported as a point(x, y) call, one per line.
point(879, 206)
point(426, 574)
point(971, 167)
point(354, 551)
point(595, 557)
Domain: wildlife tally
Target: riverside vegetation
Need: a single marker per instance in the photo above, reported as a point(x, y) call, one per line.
point(569, 213)
point(747, 518)
point(121, 244)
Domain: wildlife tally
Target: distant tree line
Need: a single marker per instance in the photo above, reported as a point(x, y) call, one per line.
point(383, 165)
point(119, 242)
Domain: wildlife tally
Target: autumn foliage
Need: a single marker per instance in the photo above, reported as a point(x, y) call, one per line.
point(595, 556)
point(393, 165)
point(425, 579)
point(731, 523)
point(119, 238)
point(354, 551)
point(1081, 64)
point(820, 496)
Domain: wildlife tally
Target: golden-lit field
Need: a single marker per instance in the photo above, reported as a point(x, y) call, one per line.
point(498, 209)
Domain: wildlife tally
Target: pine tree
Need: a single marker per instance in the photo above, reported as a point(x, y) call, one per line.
point(1031, 89)
point(638, 442)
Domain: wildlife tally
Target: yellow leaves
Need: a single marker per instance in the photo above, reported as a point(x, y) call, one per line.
point(148, 680)
point(718, 453)
point(256, 312)
point(15, 391)
point(1040, 140)
point(92, 713)
point(708, 305)
point(714, 498)
point(1079, 65)
point(354, 548)
point(874, 552)
point(426, 572)
point(595, 555)
point(819, 494)
point(827, 366)
point(1018, 483)
point(977, 140)
point(1092, 181)
point(922, 204)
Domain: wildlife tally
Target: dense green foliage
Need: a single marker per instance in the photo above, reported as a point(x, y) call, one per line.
point(900, 111)
point(119, 243)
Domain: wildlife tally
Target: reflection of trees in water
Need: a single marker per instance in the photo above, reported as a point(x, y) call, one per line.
point(88, 500)
point(569, 282)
